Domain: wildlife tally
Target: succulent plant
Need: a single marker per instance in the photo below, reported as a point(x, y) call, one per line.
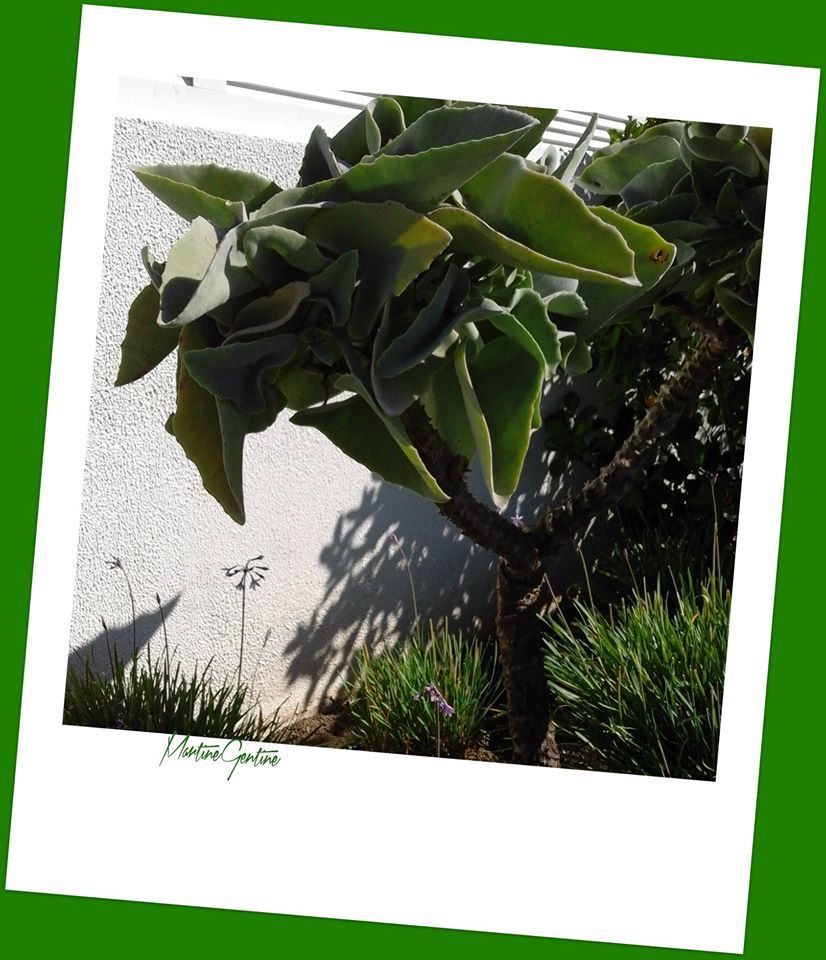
point(422, 266)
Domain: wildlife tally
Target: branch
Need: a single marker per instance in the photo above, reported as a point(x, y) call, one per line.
point(675, 398)
point(475, 520)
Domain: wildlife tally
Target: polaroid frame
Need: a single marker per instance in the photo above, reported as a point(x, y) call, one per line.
point(666, 862)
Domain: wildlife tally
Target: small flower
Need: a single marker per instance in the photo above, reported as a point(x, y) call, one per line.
point(432, 691)
point(518, 520)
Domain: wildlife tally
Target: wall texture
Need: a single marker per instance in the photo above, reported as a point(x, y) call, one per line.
point(336, 579)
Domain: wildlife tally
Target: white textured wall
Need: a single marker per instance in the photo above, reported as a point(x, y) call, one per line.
point(321, 520)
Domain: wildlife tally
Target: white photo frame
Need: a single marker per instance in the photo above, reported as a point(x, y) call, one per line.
point(576, 854)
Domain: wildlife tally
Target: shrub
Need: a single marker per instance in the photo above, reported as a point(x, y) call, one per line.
point(641, 686)
point(385, 716)
point(155, 696)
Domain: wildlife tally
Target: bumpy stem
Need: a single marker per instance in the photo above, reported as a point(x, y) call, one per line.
point(675, 398)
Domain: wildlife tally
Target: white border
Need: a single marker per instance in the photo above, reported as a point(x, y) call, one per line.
point(407, 840)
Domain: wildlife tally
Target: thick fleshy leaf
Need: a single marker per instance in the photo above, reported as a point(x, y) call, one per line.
point(472, 236)
point(545, 215)
point(207, 191)
point(235, 371)
point(268, 313)
point(319, 163)
point(445, 407)
point(700, 141)
point(533, 137)
point(227, 276)
point(433, 323)
point(655, 182)
point(565, 303)
point(566, 171)
point(153, 269)
point(394, 246)
point(397, 391)
point(359, 429)
point(260, 243)
point(437, 154)
point(235, 427)
point(196, 427)
point(652, 258)
point(335, 285)
point(532, 313)
point(145, 343)
point(482, 442)
point(379, 122)
point(737, 307)
point(607, 175)
point(188, 262)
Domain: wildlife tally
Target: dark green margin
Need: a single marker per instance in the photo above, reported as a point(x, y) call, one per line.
point(785, 911)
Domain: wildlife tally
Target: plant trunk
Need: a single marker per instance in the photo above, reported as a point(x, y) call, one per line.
point(521, 595)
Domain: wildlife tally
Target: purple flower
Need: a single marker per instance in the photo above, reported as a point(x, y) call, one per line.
point(432, 691)
point(518, 521)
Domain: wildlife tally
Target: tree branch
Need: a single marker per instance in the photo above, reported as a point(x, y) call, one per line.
point(673, 400)
point(475, 520)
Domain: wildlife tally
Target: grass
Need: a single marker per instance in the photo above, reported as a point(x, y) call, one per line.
point(384, 716)
point(641, 685)
point(156, 696)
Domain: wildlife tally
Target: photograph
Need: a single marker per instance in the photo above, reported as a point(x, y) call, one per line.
point(402, 524)
point(423, 436)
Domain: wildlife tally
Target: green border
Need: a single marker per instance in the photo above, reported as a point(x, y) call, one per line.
point(784, 908)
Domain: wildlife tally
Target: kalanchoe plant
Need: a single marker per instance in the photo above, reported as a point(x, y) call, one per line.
point(409, 298)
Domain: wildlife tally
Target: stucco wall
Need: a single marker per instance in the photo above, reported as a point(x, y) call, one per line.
point(321, 521)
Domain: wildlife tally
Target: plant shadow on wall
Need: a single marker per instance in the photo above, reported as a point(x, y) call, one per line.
point(116, 681)
point(414, 295)
point(374, 550)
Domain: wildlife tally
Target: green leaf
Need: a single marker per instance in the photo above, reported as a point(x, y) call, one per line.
point(608, 175)
point(188, 261)
point(565, 303)
point(196, 427)
point(533, 137)
point(235, 426)
point(532, 313)
point(566, 171)
point(473, 237)
point(378, 123)
point(145, 343)
point(267, 313)
point(288, 245)
point(207, 191)
point(152, 267)
point(652, 258)
point(359, 429)
point(700, 141)
point(737, 307)
point(433, 323)
point(476, 419)
point(394, 246)
point(319, 163)
point(445, 406)
point(549, 218)
point(235, 371)
point(226, 277)
point(655, 182)
point(335, 285)
point(437, 154)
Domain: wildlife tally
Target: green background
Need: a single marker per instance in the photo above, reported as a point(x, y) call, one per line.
point(785, 906)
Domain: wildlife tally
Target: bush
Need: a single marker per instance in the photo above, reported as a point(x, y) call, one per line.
point(384, 715)
point(641, 686)
point(155, 696)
